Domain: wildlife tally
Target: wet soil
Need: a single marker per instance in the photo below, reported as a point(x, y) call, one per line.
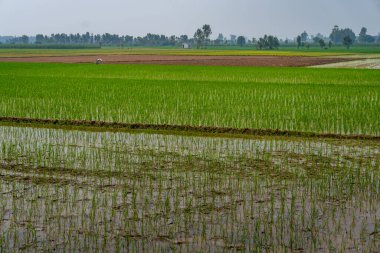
point(116, 126)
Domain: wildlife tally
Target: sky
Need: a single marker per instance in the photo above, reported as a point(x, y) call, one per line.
point(251, 18)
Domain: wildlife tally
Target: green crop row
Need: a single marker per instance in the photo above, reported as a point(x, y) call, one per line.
point(310, 100)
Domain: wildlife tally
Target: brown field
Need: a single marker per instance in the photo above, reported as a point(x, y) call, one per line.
point(275, 61)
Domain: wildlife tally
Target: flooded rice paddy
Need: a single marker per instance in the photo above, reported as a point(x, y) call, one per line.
point(64, 190)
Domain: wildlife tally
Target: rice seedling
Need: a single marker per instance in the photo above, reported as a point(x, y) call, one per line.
point(308, 100)
point(100, 191)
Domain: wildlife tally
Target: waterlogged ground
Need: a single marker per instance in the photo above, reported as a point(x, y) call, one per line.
point(73, 191)
point(372, 63)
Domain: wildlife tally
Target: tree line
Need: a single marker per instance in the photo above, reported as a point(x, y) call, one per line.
point(338, 36)
point(108, 39)
point(105, 39)
point(201, 39)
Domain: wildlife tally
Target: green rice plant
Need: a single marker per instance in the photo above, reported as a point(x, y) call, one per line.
point(292, 99)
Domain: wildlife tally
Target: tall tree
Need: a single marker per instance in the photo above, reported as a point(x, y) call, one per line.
point(233, 38)
point(334, 36)
point(183, 38)
point(347, 41)
point(363, 35)
point(337, 35)
point(199, 38)
point(299, 41)
point(268, 42)
point(220, 39)
point(304, 36)
point(206, 32)
point(241, 41)
point(322, 43)
point(366, 38)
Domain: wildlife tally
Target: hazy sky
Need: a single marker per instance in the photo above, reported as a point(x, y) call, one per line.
point(284, 18)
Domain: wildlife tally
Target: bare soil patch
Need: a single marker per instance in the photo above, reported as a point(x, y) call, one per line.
point(274, 61)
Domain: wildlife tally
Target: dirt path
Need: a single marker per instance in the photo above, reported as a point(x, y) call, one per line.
point(275, 61)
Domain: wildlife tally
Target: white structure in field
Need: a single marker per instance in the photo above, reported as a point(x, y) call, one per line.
point(186, 46)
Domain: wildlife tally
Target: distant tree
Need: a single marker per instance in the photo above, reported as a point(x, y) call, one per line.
point(363, 35)
point(330, 44)
point(24, 39)
point(299, 41)
point(241, 41)
point(371, 39)
point(98, 39)
point(127, 39)
point(254, 40)
point(202, 35)
point(347, 41)
point(206, 32)
point(322, 43)
point(39, 39)
point(233, 38)
point(319, 35)
point(337, 35)
point(268, 42)
point(348, 32)
point(304, 36)
point(173, 40)
point(219, 40)
point(199, 38)
point(19, 40)
point(183, 38)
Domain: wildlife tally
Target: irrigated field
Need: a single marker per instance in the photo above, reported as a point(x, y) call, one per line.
point(345, 102)
point(153, 158)
point(87, 191)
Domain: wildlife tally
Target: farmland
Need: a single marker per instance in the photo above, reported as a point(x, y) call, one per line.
point(221, 51)
point(344, 102)
point(90, 191)
point(180, 158)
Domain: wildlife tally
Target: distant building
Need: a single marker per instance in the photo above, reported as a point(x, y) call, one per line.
point(186, 46)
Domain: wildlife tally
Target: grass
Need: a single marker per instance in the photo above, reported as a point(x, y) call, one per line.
point(343, 101)
point(87, 191)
